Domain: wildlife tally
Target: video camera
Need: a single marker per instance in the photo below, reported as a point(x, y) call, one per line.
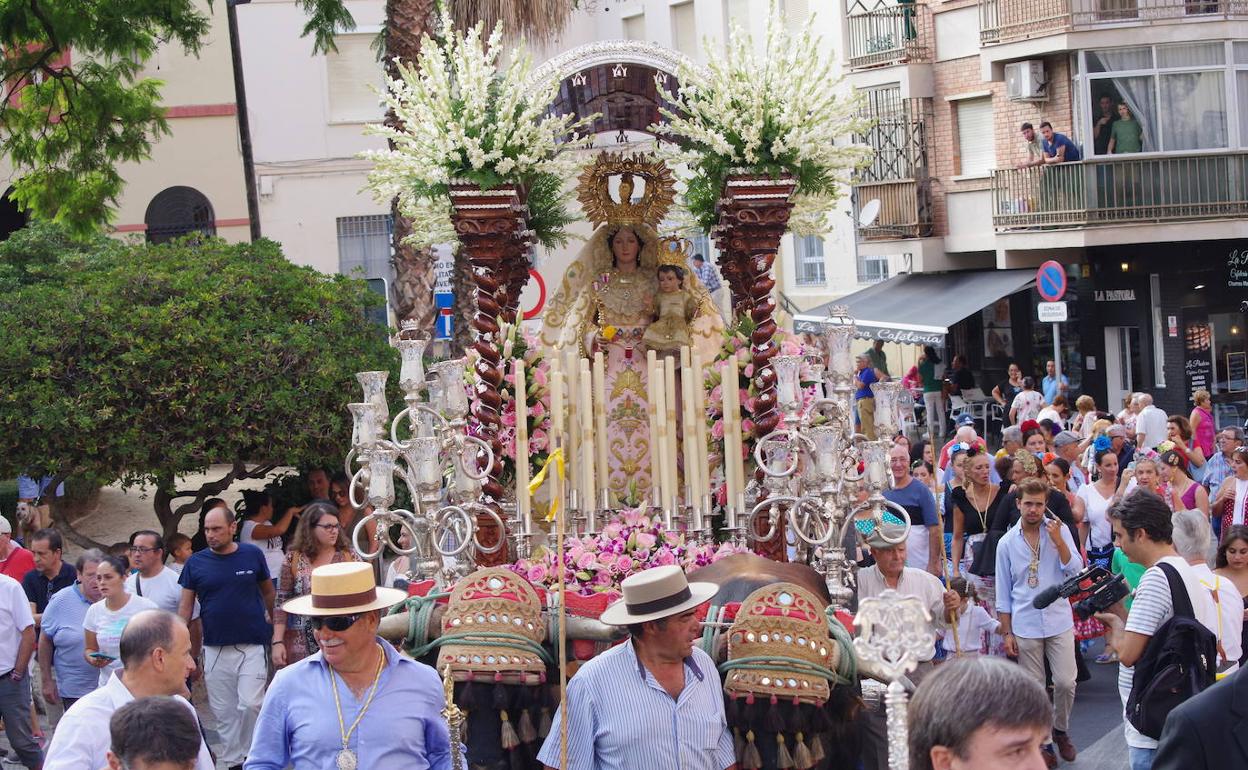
point(1104, 590)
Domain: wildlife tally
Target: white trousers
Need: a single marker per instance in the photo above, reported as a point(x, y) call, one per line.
point(235, 677)
point(934, 407)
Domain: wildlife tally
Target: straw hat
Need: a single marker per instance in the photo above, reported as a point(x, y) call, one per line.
point(344, 588)
point(656, 593)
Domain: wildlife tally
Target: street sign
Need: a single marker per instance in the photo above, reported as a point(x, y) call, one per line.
point(1051, 312)
point(1051, 281)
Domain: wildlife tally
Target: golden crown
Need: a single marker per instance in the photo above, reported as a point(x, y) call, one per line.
point(675, 251)
point(600, 207)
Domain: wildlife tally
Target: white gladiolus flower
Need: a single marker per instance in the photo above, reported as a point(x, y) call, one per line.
point(461, 117)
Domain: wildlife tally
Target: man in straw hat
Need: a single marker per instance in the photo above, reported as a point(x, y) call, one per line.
point(653, 702)
point(357, 703)
point(890, 572)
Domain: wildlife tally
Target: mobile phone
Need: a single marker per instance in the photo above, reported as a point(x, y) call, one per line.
point(101, 656)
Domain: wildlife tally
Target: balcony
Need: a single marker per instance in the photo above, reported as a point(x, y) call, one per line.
point(898, 174)
point(898, 34)
point(1008, 21)
point(1162, 188)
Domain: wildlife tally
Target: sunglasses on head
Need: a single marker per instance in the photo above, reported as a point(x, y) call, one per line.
point(335, 623)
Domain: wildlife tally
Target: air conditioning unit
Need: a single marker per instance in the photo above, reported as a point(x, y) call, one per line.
point(1025, 81)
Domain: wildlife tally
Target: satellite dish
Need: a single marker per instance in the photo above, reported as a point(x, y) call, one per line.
point(870, 210)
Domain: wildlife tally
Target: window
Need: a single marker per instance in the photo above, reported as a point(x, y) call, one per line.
point(352, 72)
point(178, 211)
point(796, 13)
point(975, 137)
point(736, 12)
point(364, 246)
point(1177, 95)
point(685, 29)
point(635, 27)
point(810, 268)
point(872, 269)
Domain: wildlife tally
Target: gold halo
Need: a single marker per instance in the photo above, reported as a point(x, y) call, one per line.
point(594, 193)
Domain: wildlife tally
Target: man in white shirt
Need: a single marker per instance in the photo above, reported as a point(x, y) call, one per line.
point(1192, 536)
point(1150, 424)
point(1143, 530)
point(157, 582)
point(890, 571)
point(17, 645)
point(156, 653)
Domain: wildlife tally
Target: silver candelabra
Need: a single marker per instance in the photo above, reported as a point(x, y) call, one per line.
point(441, 465)
point(820, 474)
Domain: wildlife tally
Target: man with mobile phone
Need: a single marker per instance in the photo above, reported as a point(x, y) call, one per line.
point(1037, 553)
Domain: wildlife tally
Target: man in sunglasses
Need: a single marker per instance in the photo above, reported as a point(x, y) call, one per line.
point(357, 703)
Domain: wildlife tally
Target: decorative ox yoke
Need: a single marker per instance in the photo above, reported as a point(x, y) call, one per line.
point(778, 677)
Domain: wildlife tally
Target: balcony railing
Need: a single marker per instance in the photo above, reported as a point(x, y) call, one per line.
point(1121, 191)
point(890, 35)
point(1004, 21)
point(905, 209)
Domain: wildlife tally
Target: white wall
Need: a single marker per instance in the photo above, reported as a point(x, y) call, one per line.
point(307, 162)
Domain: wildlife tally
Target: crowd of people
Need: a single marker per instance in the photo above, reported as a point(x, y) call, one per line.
point(1159, 499)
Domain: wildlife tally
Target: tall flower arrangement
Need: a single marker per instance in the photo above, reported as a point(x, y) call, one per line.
point(737, 345)
point(462, 118)
point(630, 543)
point(775, 112)
point(515, 344)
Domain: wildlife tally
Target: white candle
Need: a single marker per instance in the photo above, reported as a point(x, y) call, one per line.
point(571, 372)
point(587, 441)
point(728, 390)
point(652, 412)
point(660, 407)
point(600, 423)
point(689, 444)
point(700, 436)
point(522, 448)
point(669, 463)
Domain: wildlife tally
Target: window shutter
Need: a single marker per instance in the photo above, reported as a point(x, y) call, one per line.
point(975, 136)
point(353, 73)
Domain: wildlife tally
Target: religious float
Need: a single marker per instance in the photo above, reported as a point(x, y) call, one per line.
point(526, 480)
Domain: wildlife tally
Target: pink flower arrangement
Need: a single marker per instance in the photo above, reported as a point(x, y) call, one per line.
point(629, 543)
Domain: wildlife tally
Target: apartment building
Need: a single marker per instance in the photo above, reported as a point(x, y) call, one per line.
point(1151, 233)
point(194, 180)
point(308, 114)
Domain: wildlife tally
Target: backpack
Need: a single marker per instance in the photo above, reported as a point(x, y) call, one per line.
point(1179, 661)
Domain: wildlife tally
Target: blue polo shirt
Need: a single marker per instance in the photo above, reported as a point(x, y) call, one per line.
point(1061, 140)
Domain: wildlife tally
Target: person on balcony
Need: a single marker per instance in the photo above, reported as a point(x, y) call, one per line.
point(1127, 134)
point(1032, 146)
point(1103, 128)
point(1057, 147)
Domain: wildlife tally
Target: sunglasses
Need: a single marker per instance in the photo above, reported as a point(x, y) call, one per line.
point(335, 623)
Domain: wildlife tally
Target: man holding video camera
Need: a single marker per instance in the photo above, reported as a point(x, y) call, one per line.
point(1037, 554)
point(1143, 530)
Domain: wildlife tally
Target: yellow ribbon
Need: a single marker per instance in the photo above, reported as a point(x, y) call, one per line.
point(555, 457)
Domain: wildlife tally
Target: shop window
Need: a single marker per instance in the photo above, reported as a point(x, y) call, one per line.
point(810, 267)
point(364, 246)
point(872, 269)
point(976, 147)
point(178, 211)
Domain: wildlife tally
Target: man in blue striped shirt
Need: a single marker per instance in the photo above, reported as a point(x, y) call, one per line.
point(654, 702)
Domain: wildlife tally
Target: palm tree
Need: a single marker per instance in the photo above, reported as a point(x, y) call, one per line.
point(407, 21)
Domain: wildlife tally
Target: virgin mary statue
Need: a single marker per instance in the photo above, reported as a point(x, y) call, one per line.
point(608, 298)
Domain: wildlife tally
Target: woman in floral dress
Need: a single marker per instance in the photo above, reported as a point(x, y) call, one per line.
point(319, 540)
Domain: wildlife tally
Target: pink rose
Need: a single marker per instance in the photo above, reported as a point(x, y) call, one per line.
point(587, 560)
point(791, 347)
point(664, 558)
point(645, 540)
point(716, 396)
point(624, 563)
point(747, 427)
point(537, 442)
point(611, 531)
point(748, 371)
point(537, 410)
point(540, 377)
point(537, 574)
point(717, 430)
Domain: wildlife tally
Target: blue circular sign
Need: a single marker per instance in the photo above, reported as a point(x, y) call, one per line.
point(1051, 281)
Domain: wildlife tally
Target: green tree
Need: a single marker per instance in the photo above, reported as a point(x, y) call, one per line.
point(76, 103)
point(139, 363)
